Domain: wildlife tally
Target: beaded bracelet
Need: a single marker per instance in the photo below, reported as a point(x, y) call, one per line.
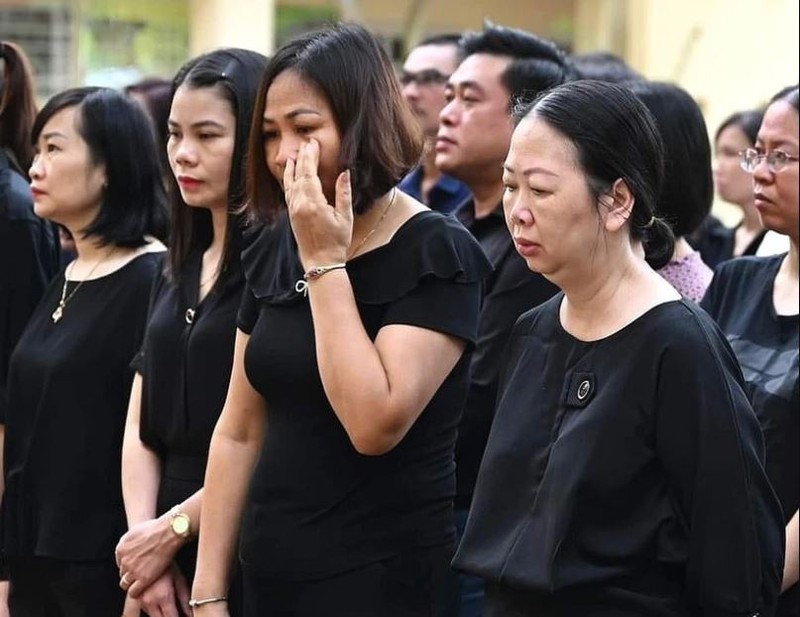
point(195, 603)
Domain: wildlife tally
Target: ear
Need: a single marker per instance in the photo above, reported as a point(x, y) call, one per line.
point(616, 206)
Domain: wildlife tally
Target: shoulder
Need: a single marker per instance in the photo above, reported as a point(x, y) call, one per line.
point(545, 315)
point(743, 276)
point(16, 194)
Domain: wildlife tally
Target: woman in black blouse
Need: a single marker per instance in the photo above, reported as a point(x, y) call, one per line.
point(756, 302)
point(184, 367)
point(349, 368)
point(95, 172)
point(624, 471)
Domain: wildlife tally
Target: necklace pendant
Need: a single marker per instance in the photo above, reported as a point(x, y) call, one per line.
point(56, 316)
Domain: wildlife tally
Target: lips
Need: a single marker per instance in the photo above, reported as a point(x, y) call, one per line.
point(37, 192)
point(526, 248)
point(188, 182)
point(761, 200)
point(443, 143)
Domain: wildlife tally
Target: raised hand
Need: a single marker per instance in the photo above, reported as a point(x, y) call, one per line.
point(323, 232)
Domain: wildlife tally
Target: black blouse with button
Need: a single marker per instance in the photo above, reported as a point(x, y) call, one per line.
point(625, 476)
point(186, 364)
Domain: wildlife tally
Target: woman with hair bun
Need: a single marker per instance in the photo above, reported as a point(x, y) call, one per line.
point(624, 471)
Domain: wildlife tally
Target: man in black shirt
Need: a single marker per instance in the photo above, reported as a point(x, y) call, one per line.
point(498, 66)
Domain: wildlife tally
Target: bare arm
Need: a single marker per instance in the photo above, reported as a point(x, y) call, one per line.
point(234, 450)
point(791, 566)
point(378, 390)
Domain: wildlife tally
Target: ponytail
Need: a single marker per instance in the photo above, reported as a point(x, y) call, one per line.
point(659, 242)
point(17, 105)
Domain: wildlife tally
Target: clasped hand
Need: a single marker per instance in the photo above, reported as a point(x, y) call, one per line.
point(144, 553)
point(323, 232)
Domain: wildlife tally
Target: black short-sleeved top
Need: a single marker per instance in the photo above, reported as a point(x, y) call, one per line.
point(316, 506)
point(766, 345)
point(508, 291)
point(28, 260)
point(68, 388)
point(624, 476)
point(715, 242)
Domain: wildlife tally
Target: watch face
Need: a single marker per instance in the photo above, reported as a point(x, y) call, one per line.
point(180, 524)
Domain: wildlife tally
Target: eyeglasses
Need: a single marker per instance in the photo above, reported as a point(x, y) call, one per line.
point(777, 160)
point(427, 77)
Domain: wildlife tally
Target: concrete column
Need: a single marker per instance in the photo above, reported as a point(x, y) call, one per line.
point(249, 24)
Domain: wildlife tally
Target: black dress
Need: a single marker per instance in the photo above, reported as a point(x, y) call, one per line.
point(624, 477)
point(68, 389)
point(316, 507)
point(29, 258)
point(766, 344)
point(186, 365)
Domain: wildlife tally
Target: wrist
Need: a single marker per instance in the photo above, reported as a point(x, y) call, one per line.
point(176, 527)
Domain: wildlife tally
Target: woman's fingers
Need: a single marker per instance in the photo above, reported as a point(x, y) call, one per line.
point(307, 161)
point(288, 177)
point(344, 194)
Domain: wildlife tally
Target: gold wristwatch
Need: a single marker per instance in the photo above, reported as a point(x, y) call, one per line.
point(180, 523)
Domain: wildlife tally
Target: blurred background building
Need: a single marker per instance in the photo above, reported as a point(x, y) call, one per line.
point(730, 54)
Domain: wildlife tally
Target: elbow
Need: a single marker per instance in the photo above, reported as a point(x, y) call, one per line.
point(376, 440)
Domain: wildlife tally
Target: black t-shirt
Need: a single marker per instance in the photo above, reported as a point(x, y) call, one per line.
point(624, 476)
point(68, 390)
point(508, 291)
point(715, 242)
point(316, 506)
point(766, 345)
point(28, 260)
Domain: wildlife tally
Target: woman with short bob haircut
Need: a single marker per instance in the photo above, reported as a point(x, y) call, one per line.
point(185, 363)
point(624, 470)
point(95, 171)
point(348, 347)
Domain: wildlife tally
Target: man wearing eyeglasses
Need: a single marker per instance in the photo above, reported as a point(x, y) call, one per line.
point(424, 76)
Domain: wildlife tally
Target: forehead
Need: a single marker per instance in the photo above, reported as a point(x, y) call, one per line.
point(290, 91)
point(535, 142)
point(425, 57)
point(64, 121)
point(486, 70)
point(733, 134)
point(780, 125)
point(197, 104)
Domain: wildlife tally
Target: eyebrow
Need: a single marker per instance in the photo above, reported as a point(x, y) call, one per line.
point(198, 125)
point(531, 171)
point(53, 134)
point(463, 85)
point(777, 144)
point(294, 113)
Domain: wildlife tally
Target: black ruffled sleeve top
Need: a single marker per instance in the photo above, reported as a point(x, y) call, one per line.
point(625, 476)
point(316, 506)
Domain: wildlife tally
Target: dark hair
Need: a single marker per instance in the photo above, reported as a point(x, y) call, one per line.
point(536, 63)
point(604, 66)
point(119, 135)
point(748, 121)
point(17, 105)
point(380, 139)
point(449, 38)
point(615, 137)
point(688, 189)
point(157, 95)
point(789, 94)
point(234, 74)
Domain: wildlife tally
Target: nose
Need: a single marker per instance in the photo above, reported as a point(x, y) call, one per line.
point(447, 116)
point(287, 149)
point(761, 172)
point(518, 214)
point(35, 170)
point(186, 154)
point(411, 91)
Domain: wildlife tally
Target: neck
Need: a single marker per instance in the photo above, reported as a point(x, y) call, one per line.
point(750, 218)
point(682, 249)
point(429, 170)
point(89, 250)
point(219, 226)
point(791, 261)
point(486, 197)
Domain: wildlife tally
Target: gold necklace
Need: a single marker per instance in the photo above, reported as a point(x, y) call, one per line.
point(62, 303)
point(378, 224)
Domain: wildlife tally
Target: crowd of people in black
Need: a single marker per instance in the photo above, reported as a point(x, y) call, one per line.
point(314, 335)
